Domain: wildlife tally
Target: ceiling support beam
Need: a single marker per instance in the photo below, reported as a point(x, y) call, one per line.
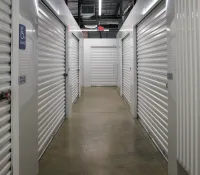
point(79, 12)
point(118, 7)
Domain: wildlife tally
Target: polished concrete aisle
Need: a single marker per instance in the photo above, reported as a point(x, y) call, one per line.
point(101, 138)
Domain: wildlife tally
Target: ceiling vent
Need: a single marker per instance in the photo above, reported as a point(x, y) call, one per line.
point(87, 11)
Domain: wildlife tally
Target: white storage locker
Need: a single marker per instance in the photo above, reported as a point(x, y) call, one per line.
point(51, 79)
point(126, 68)
point(152, 76)
point(5, 87)
point(103, 68)
point(74, 67)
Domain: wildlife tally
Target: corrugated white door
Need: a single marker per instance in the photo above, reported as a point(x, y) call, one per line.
point(152, 76)
point(5, 87)
point(51, 79)
point(126, 68)
point(74, 67)
point(103, 68)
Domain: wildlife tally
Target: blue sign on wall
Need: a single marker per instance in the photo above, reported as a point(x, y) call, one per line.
point(22, 37)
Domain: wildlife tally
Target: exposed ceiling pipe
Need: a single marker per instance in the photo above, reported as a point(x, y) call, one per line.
point(128, 8)
point(79, 12)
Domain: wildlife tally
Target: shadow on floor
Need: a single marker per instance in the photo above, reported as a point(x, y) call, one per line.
point(101, 138)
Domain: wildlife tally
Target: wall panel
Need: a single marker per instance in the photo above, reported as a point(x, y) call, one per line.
point(188, 87)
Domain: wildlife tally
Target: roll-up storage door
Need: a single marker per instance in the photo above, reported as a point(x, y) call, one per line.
point(51, 79)
point(5, 87)
point(126, 68)
point(103, 70)
point(152, 76)
point(74, 67)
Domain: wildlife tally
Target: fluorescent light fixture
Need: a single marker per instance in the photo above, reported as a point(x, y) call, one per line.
point(149, 7)
point(126, 30)
point(100, 6)
point(28, 30)
point(89, 30)
point(91, 26)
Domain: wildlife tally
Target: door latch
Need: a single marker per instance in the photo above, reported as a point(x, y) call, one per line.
point(170, 76)
point(65, 75)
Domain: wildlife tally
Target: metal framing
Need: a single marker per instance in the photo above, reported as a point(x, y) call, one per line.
point(15, 88)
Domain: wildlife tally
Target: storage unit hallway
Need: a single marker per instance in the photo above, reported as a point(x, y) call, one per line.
point(101, 138)
point(99, 87)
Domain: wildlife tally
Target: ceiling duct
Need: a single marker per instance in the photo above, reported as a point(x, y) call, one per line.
point(87, 11)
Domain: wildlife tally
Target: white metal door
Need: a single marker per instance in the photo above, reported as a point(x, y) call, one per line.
point(126, 68)
point(103, 68)
point(74, 68)
point(5, 87)
point(152, 76)
point(51, 79)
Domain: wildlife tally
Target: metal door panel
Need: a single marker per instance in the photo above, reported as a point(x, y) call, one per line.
point(5, 86)
point(126, 68)
point(51, 79)
point(74, 68)
point(152, 76)
point(103, 66)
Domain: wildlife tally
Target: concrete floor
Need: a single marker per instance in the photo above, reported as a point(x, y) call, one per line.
point(101, 138)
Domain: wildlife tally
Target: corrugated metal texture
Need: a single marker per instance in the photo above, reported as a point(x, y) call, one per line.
point(152, 76)
point(126, 68)
point(103, 71)
point(5, 86)
point(74, 67)
point(188, 85)
point(51, 80)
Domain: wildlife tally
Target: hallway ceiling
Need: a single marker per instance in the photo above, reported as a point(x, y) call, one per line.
point(112, 12)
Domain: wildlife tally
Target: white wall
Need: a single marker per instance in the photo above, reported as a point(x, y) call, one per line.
point(88, 43)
